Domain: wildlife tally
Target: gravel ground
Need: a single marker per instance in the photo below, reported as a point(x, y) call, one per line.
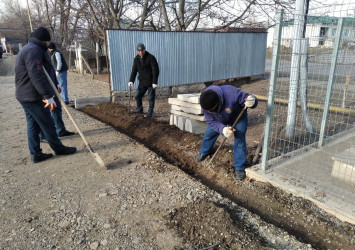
point(142, 202)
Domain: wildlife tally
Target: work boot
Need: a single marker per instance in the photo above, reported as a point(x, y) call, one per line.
point(66, 133)
point(137, 110)
point(149, 115)
point(200, 157)
point(66, 151)
point(240, 174)
point(41, 157)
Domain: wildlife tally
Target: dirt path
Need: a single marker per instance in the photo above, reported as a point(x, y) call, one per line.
point(143, 201)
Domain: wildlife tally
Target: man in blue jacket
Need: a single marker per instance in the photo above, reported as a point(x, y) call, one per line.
point(32, 89)
point(147, 67)
point(221, 106)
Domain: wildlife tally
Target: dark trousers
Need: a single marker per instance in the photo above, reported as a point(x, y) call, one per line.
point(57, 119)
point(151, 95)
point(240, 146)
point(39, 118)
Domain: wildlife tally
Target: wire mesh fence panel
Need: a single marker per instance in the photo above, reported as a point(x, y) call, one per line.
point(311, 142)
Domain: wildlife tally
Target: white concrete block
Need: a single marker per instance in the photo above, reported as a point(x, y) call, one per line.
point(181, 122)
point(176, 117)
point(193, 98)
point(344, 165)
point(93, 100)
point(195, 127)
point(187, 109)
point(187, 115)
point(176, 101)
point(171, 120)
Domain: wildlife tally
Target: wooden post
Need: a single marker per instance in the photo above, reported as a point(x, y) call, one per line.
point(87, 65)
point(69, 63)
point(345, 90)
point(97, 60)
point(81, 68)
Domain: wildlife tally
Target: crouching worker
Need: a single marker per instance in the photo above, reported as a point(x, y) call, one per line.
point(35, 95)
point(221, 106)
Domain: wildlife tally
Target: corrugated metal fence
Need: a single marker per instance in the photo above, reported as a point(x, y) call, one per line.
point(187, 57)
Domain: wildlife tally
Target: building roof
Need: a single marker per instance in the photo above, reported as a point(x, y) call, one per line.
point(325, 20)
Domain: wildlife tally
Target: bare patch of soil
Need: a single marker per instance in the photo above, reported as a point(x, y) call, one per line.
point(273, 205)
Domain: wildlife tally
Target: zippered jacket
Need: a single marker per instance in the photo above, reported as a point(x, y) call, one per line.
point(231, 103)
point(31, 83)
point(148, 70)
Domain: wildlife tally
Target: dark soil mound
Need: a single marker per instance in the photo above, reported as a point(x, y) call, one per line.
point(273, 205)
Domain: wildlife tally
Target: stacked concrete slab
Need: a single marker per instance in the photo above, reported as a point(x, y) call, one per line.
point(186, 113)
point(344, 165)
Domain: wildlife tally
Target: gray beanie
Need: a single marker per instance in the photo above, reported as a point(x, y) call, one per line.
point(140, 46)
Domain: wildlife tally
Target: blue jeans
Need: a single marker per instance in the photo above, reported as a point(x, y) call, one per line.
point(56, 114)
point(151, 95)
point(39, 118)
point(240, 146)
point(63, 84)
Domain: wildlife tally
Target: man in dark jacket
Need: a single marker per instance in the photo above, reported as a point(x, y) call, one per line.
point(147, 67)
point(221, 106)
point(32, 87)
point(61, 70)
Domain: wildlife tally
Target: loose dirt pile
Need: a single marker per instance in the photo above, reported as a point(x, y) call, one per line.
point(144, 200)
point(180, 148)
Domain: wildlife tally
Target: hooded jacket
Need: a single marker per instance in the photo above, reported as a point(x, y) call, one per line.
point(148, 72)
point(231, 103)
point(31, 82)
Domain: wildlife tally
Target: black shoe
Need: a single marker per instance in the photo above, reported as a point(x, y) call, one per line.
point(137, 110)
point(240, 174)
point(41, 157)
point(66, 151)
point(200, 157)
point(66, 133)
point(43, 140)
point(149, 115)
point(67, 103)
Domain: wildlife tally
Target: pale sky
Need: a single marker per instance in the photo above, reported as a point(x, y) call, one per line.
point(329, 7)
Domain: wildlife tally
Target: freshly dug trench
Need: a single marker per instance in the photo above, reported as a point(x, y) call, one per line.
point(271, 204)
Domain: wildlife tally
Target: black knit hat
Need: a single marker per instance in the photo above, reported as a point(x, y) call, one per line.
point(51, 45)
point(41, 34)
point(209, 99)
point(140, 46)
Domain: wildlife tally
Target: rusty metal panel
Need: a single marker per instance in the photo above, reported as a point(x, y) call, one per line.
point(187, 57)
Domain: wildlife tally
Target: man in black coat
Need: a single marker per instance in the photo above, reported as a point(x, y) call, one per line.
point(32, 89)
point(147, 67)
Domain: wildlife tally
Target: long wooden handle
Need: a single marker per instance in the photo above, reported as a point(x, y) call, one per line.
point(225, 138)
point(95, 155)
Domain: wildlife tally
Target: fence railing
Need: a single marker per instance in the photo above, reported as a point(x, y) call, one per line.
point(310, 124)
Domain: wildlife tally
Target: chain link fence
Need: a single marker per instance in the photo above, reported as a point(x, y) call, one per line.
point(309, 133)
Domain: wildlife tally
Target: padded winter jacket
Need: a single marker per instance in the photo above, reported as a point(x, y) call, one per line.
point(231, 103)
point(148, 73)
point(31, 83)
point(58, 62)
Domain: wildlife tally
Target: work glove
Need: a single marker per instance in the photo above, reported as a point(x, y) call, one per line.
point(59, 90)
point(227, 132)
point(57, 74)
point(249, 101)
point(130, 84)
point(154, 86)
point(50, 102)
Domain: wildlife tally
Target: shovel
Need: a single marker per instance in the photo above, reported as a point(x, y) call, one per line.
point(225, 138)
point(96, 156)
